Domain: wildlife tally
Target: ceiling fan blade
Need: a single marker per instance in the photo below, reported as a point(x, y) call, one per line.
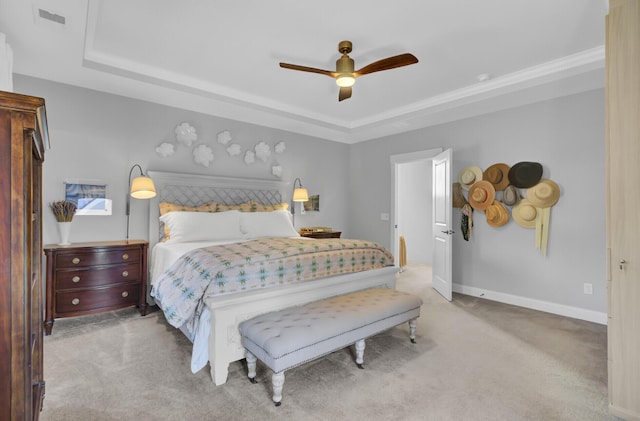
point(345, 93)
point(387, 63)
point(308, 69)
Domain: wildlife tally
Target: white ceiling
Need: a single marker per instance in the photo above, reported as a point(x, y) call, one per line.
point(221, 57)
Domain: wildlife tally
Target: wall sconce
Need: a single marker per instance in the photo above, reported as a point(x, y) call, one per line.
point(300, 194)
point(142, 187)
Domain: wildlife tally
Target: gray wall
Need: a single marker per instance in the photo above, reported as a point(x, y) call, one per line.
point(567, 136)
point(100, 136)
point(96, 135)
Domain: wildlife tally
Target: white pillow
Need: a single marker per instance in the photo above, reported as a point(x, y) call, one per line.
point(201, 226)
point(267, 224)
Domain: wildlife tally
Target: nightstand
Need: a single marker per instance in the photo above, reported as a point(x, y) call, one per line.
point(87, 278)
point(321, 234)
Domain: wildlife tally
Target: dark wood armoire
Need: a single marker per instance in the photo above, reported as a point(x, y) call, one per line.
point(23, 139)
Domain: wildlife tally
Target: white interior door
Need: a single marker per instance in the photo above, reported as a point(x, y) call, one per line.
point(441, 217)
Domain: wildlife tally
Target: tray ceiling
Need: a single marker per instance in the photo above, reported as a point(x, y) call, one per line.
point(221, 57)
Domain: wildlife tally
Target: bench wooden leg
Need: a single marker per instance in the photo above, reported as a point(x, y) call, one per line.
point(360, 353)
point(412, 330)
point(251, 366)
point(277, 381)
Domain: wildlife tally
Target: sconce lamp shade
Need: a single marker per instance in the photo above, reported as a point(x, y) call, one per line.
point(143, 188)
point(300, 195)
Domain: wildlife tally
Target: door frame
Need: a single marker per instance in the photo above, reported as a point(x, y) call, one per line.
point(396, 161)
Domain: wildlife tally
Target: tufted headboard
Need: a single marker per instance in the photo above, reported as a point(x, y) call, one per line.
point(197, 189)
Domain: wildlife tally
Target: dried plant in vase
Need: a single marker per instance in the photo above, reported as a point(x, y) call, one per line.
point(63, 210)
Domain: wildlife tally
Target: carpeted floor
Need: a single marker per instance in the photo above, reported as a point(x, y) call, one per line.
point(474, 360)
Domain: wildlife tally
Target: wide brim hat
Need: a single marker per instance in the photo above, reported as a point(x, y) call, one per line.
point(496, 214)
point(469, 175)
point(525, 213)
point(498, 175)
point(481, 195)
point(544, 194)
point(510, 195)
point(525, 174)
point(458, 198)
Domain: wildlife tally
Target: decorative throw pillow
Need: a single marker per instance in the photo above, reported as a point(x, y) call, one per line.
point(243, 207)
point(259, 207)
point(166, 207)
point(253, 206)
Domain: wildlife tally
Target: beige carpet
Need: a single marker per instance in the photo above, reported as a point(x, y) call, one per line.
point(474, 360)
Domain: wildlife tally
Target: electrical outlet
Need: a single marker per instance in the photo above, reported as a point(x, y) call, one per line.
point(588, 289)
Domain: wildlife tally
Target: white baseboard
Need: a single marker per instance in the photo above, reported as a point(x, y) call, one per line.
point(560, 309)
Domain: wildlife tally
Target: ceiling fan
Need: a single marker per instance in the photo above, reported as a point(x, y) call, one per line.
point(345, 76)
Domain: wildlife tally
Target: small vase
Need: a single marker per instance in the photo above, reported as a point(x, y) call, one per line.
point(64, 228)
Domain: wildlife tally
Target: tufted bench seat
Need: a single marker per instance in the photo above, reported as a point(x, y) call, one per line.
point(292, 336)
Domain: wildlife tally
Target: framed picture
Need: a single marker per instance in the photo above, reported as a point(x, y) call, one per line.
point(90, 196)
point(313, 204)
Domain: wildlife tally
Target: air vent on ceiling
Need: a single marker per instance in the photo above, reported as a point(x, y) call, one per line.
point(53, 17)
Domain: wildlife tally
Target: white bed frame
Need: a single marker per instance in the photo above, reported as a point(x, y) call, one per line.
point(228, 311)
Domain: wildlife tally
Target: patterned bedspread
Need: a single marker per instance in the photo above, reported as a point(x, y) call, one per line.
point(254, 264)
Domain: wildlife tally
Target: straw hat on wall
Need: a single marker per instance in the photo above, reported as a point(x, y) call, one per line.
point(510, 195)
point(469, 175)
point(544, 194)
point(498, 175)
point(458, 198)
point(496, 214)
point(525, 213)
point(481, 195)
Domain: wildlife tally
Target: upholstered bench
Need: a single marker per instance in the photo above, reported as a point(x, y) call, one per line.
point(290, 337)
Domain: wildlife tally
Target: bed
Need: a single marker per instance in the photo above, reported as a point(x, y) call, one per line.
point(223, 306)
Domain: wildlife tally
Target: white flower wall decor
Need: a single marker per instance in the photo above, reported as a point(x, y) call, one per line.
point(263, 151)
point(277, 170)
point(249, 157)
point(186, 134)
point(234, 149)
point(224, 137)
point(165, 149)
point(203, 155)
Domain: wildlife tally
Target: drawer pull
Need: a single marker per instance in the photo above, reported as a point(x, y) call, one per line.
point(125, 256)
point(76, 279)
point(125, 273)
point(125, 294)
point(75, 261)
point(75, 301)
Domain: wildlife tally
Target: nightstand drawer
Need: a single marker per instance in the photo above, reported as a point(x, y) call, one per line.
point(116, 296)
point(74, 279)
point(70, 260)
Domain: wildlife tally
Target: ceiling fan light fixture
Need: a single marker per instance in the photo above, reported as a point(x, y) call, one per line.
point(345, 80)
point(345, 74)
